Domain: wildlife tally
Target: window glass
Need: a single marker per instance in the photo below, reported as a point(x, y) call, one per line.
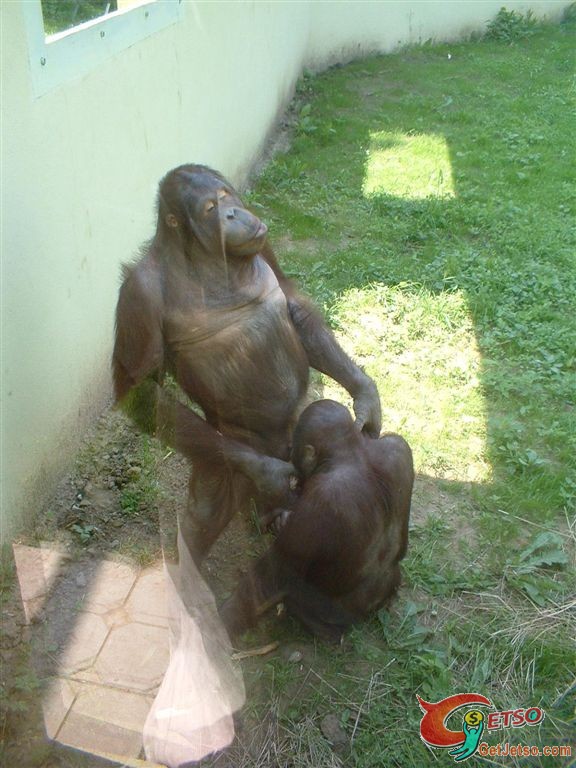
point(62, 15)
point(68, 39)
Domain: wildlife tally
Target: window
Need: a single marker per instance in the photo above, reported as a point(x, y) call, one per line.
point(70, 38)
point(61, 15)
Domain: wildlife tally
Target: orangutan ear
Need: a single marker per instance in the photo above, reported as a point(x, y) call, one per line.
point(308, 459)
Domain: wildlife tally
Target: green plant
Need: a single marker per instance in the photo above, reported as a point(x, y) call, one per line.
point(526, 571)
point(84, 531)
point(17, 693)
point(141, 491)
point(569, 15)
point(508, 26)
point(305, 123)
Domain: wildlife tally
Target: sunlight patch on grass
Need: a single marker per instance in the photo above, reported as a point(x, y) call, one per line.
point(421, 350)
point(412, 167)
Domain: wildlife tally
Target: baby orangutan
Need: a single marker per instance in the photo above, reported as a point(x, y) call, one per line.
point(336, 556)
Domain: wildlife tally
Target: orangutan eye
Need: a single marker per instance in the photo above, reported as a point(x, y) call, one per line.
point(222, 194)
point(210, 206)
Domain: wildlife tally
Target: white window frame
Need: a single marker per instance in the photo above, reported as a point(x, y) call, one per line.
point(73, 53)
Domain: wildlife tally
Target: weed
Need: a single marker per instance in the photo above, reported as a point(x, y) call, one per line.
point(17, 695)
point(84, 531)
point(141, 491)
point(526, 570)
point(569, 15)
point(508, 26)
point(7, 574)
point(305, 123)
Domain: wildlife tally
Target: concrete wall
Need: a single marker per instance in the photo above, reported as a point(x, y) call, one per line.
point(80, 165)
point(341, 31)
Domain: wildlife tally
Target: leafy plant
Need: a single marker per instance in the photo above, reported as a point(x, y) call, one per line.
point(508, 26)
point(84, 531)
point(142, 489)
point(525, 570)
point(569, 15)
point(305, 123)
point(130, 500)
point(17, 693)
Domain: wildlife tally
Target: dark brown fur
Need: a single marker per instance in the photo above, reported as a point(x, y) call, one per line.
point(336, 557)
point(208, 303)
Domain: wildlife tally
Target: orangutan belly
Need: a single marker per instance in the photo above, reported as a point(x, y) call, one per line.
point(244, 365)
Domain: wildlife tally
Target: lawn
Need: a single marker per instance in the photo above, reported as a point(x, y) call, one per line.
point(427, 205)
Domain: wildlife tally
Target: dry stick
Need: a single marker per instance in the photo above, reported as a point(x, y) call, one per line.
point(302, 684)
point(360, 709)
point(128, 762)
point(571, 525)
point(536, 525)
point(255, 651)
point(560, 699)
point(550, 614)
point(336, 691)
point(366, 695)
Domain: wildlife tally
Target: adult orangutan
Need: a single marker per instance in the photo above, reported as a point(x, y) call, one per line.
point(208, 303)
point(337, 553)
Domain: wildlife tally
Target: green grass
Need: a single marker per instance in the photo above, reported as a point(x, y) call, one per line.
point(427, 204)
point(142, 489)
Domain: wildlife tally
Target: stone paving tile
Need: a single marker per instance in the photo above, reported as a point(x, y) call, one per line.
point(105, 627)
point(84, 643)
point(37, 571)
point(134, 656)
point(58, 699)
point(102, 719)
point(147, 602)
point(110, 587)
point(117, 617)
